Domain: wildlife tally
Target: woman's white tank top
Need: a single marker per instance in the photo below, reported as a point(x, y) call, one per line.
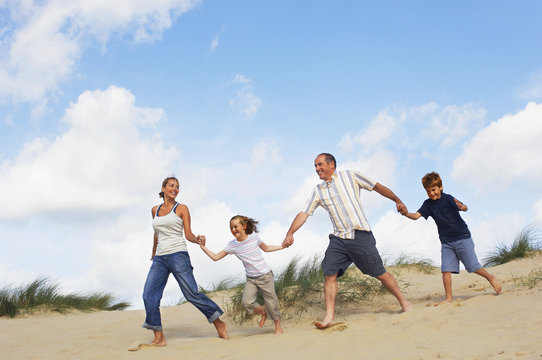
point(169, 229)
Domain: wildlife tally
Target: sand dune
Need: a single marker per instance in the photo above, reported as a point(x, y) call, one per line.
point(478, 325)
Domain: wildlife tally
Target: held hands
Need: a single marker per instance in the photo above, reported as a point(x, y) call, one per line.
point(401, 208)
point(288, 241)
point(201, 240)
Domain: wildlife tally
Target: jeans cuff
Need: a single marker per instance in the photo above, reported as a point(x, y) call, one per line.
point(215, 316)
point(152, 327)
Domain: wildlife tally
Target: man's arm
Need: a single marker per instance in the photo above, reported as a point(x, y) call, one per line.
point(384, 191)
point(299, 220)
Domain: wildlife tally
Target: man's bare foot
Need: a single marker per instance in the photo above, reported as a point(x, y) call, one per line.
point(221, 328)
point(406, 306)
point(325, 325)
point(496, 285)
point(443, 302)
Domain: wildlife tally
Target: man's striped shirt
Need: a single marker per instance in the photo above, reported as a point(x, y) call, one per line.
point(340, 197)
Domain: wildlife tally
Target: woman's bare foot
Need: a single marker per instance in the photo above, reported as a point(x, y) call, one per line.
point(159, 339)
point(221, 328)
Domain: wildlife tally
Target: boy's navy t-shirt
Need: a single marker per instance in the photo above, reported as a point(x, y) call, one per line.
point(451, 227)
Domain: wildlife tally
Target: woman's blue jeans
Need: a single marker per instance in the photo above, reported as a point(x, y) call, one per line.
point(179, 265)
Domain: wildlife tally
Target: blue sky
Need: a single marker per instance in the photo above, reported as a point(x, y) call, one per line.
point(100, 100)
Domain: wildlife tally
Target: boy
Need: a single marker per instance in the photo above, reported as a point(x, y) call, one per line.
point(455, 237)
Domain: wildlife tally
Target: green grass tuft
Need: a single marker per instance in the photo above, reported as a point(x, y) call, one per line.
point(41, 294)
point(527, 241)
point(530, 280)
point(300, 286)
point(425, 266)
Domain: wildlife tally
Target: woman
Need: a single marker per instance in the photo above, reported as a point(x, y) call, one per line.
point(169, 255)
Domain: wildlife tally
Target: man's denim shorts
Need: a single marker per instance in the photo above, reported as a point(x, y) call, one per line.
point(361, 251)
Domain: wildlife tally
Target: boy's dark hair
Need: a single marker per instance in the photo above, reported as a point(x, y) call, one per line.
point(164, 183)
point(249, 222)
point(431, 179)
point(329, 158)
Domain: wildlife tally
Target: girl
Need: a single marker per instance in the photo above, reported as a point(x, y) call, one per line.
point(246, 246)
point(169, 255)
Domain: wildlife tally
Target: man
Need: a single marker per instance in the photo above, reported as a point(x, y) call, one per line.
point(352, 240)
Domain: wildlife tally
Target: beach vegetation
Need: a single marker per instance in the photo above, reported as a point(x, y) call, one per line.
point(299, 286)
point(530, 280)
point(526, 243)
point(405, 261)
point(44, 295)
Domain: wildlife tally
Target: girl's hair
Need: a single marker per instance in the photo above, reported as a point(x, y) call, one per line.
point(164, 183)
point(431, 179)
point(249, 222)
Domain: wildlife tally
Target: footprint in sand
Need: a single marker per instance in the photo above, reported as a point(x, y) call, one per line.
point(137, 347)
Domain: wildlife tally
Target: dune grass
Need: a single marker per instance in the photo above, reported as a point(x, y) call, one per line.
point(525, 243)
point(43, 295)
point(530, 280)
point(300, 286)
point(425, 266)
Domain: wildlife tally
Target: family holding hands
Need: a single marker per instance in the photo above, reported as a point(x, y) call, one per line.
point(352, 241)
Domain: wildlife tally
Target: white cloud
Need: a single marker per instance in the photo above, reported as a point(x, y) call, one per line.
point(102, 162)
point(245, 102)
point(506, 150)
point(265, 154)
point(44, 40)
point(532, 91)
point(396, 235)
point(433, 126)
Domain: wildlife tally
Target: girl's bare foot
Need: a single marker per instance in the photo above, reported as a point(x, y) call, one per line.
point(278, 328)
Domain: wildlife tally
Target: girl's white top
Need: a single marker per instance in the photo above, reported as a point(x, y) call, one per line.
point(169, 229)
point(249, 252)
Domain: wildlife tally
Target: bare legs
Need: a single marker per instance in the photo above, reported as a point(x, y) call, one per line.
point(447, 281)
point(261, 311)
point(390, 284)
point(331, 289)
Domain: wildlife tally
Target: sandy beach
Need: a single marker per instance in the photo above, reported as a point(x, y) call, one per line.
point(478, 325)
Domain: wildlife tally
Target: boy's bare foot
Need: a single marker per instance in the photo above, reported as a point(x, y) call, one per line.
point(496, 285)
point(443, 302)
point(221, 328)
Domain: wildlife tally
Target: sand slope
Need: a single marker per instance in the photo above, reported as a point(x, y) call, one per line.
point(478, 325)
